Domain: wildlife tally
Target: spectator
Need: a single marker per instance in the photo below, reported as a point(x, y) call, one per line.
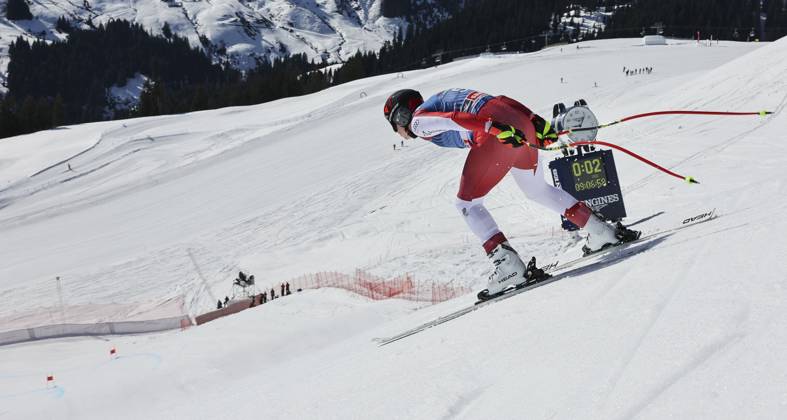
point(264, 297)
point(282, 289)
point(287, 288)
point(218, 305)
point(273, 294)
point(226, 300)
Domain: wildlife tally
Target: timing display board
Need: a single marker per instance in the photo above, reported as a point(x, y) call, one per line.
point(592, 178)
point(588, 174)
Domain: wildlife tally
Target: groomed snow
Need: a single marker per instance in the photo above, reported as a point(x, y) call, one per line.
point(695, 327)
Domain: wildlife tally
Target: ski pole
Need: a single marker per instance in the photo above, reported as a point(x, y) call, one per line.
point(651, 114)
point(688, 179)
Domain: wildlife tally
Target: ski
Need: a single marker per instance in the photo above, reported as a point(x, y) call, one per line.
point(567, 269)
point(515, 291)
point(557, 267)
point(703, 217)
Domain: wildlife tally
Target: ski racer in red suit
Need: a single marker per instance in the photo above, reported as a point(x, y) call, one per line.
point(495, 129)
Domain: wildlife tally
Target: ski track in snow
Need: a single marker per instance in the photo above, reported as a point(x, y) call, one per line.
point(655, 317)
point(699, 359)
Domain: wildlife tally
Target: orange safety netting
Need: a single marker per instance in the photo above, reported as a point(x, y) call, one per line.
point(378, 288)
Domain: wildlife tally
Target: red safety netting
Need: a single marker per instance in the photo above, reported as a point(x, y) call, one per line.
point(378, 288)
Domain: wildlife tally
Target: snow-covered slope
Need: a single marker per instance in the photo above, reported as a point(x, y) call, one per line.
point(692, 328)
point(329, 30)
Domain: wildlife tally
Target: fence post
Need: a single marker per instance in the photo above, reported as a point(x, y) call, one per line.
point(434, 300)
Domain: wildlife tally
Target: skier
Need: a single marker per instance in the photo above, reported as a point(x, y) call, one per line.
point(496, 129)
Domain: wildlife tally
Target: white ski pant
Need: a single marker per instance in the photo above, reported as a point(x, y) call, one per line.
point(531, 183)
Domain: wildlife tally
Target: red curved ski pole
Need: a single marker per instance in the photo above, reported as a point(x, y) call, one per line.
point(651, 114)
point(688, 179)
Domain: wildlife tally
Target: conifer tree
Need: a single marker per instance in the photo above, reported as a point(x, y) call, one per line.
point(166, 31)
point(18, 10)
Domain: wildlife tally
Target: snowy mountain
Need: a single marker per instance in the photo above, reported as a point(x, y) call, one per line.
point(579, 22)
point(133, 215)
point(329, 30)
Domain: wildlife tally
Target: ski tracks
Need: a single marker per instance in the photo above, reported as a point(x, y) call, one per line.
point(708, 352)
point(675, 374)
point(462, 403)
point(729, 141)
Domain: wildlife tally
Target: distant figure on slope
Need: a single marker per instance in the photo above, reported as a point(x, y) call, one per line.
point(496, 130)
point(218, 304)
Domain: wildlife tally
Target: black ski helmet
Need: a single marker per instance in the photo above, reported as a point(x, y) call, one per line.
point(399, 107)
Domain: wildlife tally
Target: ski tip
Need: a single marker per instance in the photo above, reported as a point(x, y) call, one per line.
point(691, 180)
point(764, 113)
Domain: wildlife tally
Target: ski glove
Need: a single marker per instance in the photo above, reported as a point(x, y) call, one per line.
point(545, 133)
point(508, 134)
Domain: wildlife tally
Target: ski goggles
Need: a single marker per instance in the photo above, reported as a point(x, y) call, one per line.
point(400, 116)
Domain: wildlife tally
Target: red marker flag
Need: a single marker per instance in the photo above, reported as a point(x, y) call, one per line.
point(50, 378)
point(112, 351)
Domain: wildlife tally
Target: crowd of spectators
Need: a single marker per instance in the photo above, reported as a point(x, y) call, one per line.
point(637, 71)
point(245, 282)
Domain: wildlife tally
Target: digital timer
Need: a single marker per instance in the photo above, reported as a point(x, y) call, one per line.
point(592, 178)
point(588, 174)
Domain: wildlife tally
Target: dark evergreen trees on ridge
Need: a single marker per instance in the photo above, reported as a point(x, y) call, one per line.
point(66, 82)
point(18, 10)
